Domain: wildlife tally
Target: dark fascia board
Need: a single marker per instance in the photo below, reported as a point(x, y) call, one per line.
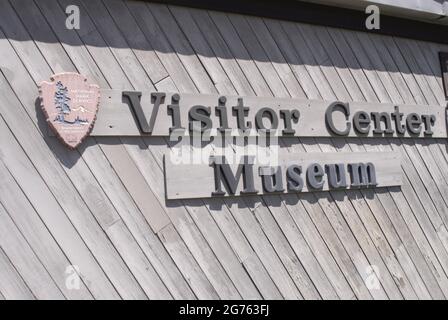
point(444, 65)
point(323, 15)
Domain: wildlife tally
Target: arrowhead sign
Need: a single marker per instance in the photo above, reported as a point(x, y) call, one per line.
point(70, 105)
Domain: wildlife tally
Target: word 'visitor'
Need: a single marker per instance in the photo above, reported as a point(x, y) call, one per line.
point(221, 115)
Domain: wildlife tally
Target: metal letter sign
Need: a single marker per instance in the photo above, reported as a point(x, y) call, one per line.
point(294, 173)
point(70, 105)
point(133, 113)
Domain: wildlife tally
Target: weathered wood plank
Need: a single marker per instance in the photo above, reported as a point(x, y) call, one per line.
point(187, 264)
point(405, 165)
point(398, 253)
point(314, 272)
point(366, 210)
point(156, 37)
point(334, 236)
point(74, 206)
point(124, 66)
point(383, 229)
point(368, 92)
point(274, 224)
point(223, 251)
point(260, 30)
point(157, 220)
point(424, 66)
point(102, 30)
point(327, 73)
point(135, 221)
point(145, 190)
point(334, 244)
point(374, 204)
point(52, 215)
point(25, 261)
point(34, 231)
point(240, 244)
point(411, 153)
point(158, 149)
point(320, 250)
point(264, 244)
point(386, 248)
point(204, 53)
point(134, 37)
point(117, 232)
point(283, 249)
point(116, 165)
point(416, 161)
point(220, 49)
point(12, 285)
point(147, 211)
point(218, 210)
point(203, 80)
point(238, 50)
point(420, 226)
point(343, 217)
point(257, 54)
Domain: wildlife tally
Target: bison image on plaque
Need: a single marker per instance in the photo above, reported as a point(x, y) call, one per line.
point(70, 105)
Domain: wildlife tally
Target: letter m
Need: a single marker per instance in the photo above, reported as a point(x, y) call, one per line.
point(225, 176)
point(362, 174)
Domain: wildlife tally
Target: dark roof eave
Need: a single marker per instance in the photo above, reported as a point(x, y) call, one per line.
point(319, 14)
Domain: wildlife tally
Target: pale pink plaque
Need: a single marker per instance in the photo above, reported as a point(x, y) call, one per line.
point(70, 105)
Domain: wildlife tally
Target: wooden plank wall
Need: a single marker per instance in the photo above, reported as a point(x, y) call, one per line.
point(102, 207)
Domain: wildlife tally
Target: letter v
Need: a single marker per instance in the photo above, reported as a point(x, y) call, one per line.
point(134, 98)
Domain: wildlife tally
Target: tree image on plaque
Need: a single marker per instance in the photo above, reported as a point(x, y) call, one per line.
point(61, 100)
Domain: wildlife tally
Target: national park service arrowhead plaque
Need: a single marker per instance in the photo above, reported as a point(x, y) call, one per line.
point(70, 105)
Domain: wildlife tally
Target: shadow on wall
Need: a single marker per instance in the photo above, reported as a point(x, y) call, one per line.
point(67, 157)
point(170, 29)
point(166, 30)
point(277, 200)
point(70, 157)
